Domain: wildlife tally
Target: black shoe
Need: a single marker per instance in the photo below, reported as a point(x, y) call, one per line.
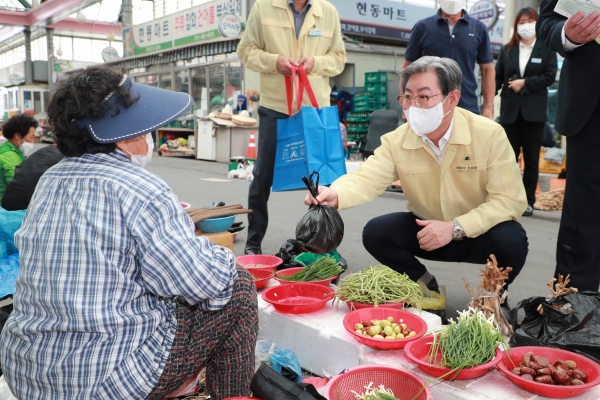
point(252, 249)
point(433, 285)
point(528, 211)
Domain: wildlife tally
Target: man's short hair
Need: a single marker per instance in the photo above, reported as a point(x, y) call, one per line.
point(447, 70)
point(20, 124)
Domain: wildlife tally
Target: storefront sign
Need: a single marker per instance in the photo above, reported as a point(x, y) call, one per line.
point(485, 11)
point(12, 75)
point(110, 54)
point(391, 19)
point(209, 21)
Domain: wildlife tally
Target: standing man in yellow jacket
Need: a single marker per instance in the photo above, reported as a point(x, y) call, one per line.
point(280, 34)
point(458, 173)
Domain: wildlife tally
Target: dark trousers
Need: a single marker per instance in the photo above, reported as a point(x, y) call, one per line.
point(578, 248)
point(392, 240)
point(527, 136)
point(260, 187)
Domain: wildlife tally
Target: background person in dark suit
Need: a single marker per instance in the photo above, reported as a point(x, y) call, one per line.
point(524, 70)
point(578, 118)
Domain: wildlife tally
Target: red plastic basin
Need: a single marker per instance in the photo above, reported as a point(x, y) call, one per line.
point(261, 277)
point(418, 351)
point(292, 271)
point(298, 299)
point(413, 321)
point(267, 262)
point(404, 384)
point(591, 368)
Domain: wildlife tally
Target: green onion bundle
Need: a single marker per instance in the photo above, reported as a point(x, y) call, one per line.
point(323, 268)
point(379, 285)
point(469, 342)
point(373, 393)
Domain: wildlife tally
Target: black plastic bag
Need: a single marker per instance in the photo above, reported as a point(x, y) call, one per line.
point(577, 331)
point(287, 252)
point(321, 229)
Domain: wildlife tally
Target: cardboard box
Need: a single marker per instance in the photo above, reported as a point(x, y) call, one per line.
point(224, 239)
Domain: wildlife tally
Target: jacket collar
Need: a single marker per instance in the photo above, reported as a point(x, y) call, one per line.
point(314, 9)
point(460, 133)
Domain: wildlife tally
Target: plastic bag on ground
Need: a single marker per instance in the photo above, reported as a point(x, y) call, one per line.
point(433, 300)
point(285, 362)
point(263, 351)
point(576, 331)
point(321, 229)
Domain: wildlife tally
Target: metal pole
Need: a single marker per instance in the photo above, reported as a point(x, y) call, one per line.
point(127, 13)
point(28, 62)
point(510, 11)
point(50, 44)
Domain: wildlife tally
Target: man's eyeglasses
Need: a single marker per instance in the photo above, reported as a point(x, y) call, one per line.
point(420, 100)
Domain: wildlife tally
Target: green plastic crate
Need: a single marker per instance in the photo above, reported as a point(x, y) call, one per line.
point(362, 97)
point(375, 77)
point(364, 109)
point(376, 88)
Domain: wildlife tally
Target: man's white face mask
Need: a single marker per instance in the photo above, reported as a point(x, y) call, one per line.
point(452, 7)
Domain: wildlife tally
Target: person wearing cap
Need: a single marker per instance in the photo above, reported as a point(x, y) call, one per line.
point(453, 34)
point(280, 34)
point(19, 132)
point(117, 298)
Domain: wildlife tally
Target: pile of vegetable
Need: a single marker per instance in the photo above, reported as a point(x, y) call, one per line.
point(466, 343)
point(560, 372)
point(371, 393)
point(323, 268)
point(490, 295)
point(384, 329)
point(379, 284)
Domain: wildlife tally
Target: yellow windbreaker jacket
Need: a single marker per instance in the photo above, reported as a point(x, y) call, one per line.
point(478, 182)
point(270, 33)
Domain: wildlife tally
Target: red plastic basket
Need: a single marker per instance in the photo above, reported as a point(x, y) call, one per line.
point(404, 384)
point(554, 391)
point(298, 299)
point(292, 271)
point(268, 262)
point(418, 351)
point(413, 321)
point(261, 277)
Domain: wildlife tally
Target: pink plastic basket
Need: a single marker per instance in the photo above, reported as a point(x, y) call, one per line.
point(268, 262)
point(418, 352)
point(591, 368)
point(353, 305)
point(292, 271)
point(298, 299)
point(261, 277)
point(404, 384)
point(413, 321)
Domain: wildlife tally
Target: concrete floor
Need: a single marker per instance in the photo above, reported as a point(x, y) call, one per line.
point(187, 177)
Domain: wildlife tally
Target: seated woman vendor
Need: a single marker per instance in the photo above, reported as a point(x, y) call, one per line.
point(458, 173)
point(117, 298)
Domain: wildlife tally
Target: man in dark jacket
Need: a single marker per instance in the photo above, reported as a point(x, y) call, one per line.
point(577, 118)
point(27, 174)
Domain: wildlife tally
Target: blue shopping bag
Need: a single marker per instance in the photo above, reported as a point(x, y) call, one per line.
point(307, 141)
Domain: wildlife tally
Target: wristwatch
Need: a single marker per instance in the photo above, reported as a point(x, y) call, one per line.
point(458, 233)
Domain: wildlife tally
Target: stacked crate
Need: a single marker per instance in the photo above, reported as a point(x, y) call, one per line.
point(376, 86)
point(357, 122)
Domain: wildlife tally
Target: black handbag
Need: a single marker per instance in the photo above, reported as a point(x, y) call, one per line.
point(268, 384)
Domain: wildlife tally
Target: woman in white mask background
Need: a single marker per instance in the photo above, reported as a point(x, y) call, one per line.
point(524, 71)
point(19, 132)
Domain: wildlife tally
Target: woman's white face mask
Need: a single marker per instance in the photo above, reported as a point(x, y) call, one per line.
point(26, 148)
point(145, 159)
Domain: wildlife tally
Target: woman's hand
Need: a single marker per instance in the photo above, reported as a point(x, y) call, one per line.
point(327, 196)
point(517, 85)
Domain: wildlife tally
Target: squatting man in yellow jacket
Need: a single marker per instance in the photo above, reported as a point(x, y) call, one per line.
point(458, 173)
point(279, 34)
